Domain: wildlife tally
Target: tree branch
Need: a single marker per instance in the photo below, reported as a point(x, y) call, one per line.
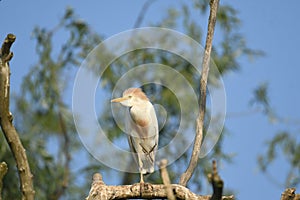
point(185, 177)
point(166, 179)
point(6, 54)
point(9, 131)
point(100, 191)
point(217, 183)
point(142, 13)
point(3, 171)
point(289, 194)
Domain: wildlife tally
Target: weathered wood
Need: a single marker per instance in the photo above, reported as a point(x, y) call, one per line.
point(3, 171)
point(100, 191)
point(186, 176)
point(8, 129)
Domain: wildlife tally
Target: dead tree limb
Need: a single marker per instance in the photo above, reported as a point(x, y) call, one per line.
point(166, 179)
point(8, 129)
point(290, 194)
point(185, 177)
point(216, 182)
point(3, 171)
point(100, 191)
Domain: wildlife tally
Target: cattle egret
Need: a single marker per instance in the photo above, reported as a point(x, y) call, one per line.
point(142, 128)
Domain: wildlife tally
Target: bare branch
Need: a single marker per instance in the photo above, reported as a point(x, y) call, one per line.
point(185, 177)
point(3, 171)
point(290, 194)
point(97, 185)
point(142, 13)
point(8, 129)
point(100, 191)
point(217, 183)
point(5, 53)
point(166, 179)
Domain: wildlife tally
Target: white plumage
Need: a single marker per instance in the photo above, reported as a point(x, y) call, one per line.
point(141, 127)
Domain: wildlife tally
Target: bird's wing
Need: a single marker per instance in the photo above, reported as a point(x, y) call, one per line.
point(149, 145)
point(143, 141)
point(145, 127)
point(129, 130)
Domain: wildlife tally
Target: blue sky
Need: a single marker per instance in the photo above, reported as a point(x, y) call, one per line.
point(271, 26)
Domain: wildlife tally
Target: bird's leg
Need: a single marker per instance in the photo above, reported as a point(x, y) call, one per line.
point(142, 178)
point(141, 169)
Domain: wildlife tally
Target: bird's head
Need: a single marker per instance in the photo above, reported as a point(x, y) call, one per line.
point(131, 97)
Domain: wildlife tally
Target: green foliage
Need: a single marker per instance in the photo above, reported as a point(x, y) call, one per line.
point(11, 189)
point(43, 116)
point(284, 143)
point(261, 98)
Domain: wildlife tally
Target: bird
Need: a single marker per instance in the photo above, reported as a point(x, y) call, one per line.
point(141, 127)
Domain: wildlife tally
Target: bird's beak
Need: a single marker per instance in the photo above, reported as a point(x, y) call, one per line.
point(118, 99)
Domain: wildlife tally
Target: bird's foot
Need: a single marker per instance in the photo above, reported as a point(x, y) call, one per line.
point(146, 188)
point(141, 188)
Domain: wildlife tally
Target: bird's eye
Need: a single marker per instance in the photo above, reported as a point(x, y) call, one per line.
point(130, 97)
